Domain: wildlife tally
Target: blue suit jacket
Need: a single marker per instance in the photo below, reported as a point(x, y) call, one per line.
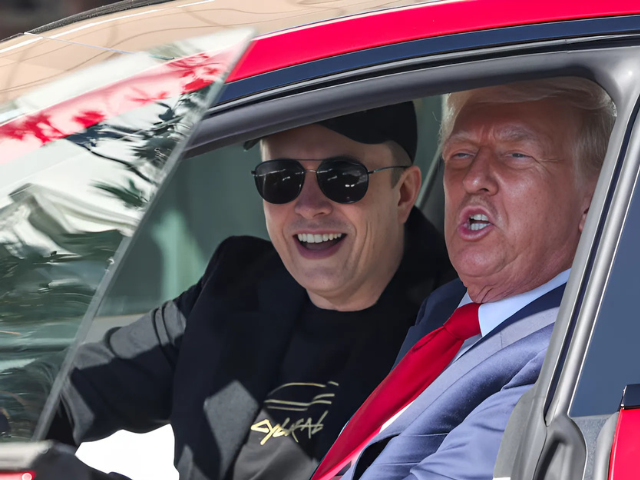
point(454, 428)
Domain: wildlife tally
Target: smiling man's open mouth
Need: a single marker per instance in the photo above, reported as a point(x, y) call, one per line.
point(319, 241)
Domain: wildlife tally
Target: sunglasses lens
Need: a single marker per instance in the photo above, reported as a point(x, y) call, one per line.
point(343, 181)
point(279, 181)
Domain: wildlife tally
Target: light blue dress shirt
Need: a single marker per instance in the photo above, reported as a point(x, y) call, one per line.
point(492, 314)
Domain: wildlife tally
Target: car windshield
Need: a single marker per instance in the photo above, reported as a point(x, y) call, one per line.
point(80, 161)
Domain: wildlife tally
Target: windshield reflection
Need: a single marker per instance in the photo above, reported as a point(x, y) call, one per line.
point(74, 184)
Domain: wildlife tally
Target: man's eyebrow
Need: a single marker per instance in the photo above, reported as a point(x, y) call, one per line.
point(512, 133)
point(457, 137)
point(517, 134)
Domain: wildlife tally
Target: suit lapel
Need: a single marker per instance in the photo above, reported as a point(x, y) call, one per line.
point(538, 314)
point(256, 341)
point(453, 373)
point(547, 301)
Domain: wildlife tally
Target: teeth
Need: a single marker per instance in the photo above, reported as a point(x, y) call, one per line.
point(478, 226)
point(318, 238)
point(479, 217)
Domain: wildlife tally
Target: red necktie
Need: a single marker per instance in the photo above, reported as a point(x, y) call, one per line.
point(415, 372)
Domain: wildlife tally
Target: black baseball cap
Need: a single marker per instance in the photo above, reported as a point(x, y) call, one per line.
point(378, 125)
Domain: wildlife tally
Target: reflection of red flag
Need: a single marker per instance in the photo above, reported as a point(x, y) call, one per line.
point(89, 118)
point(172, 79)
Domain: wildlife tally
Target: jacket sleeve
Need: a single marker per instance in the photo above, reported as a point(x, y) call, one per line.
point(125, 380)
point(470, 450)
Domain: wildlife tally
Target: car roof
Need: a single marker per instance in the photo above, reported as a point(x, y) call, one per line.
point(290, 33)
point(359, 32)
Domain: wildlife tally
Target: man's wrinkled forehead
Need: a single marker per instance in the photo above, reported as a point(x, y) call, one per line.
point(529, 123)
point(508, 133)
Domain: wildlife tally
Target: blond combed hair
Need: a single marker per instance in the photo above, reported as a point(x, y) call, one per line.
point(596, 111)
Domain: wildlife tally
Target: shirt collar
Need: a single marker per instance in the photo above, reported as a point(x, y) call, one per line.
point(493, 314)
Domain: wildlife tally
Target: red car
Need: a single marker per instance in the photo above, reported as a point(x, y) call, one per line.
point(101, 111)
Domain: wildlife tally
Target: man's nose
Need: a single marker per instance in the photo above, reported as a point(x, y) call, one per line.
point(312, 202)
point(479, 177)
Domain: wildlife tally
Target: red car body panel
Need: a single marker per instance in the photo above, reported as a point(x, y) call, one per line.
point(625, 454)
point(344, 35)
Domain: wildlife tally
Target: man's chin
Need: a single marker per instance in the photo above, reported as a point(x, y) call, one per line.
point(473, 267)
point(323, 281)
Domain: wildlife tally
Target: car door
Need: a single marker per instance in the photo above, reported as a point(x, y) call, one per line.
point(81, 160)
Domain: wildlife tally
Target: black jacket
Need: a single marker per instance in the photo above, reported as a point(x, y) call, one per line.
point(206, 360)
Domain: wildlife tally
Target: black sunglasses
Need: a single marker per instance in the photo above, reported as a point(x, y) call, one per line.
point(341, 179)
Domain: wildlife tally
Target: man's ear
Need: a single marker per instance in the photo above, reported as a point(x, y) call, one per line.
point(409, 188)
point(585, 209)
point(583, 219)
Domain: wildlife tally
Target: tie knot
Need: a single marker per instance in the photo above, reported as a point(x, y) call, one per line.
point(464, 322)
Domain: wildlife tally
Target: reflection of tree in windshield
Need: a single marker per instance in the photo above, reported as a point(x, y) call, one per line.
point(59, 234)
point(150, 147)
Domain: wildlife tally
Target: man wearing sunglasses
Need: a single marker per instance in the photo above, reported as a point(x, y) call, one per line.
point(259, 365)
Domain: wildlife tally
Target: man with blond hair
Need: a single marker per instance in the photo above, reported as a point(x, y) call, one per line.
point(520, 166)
